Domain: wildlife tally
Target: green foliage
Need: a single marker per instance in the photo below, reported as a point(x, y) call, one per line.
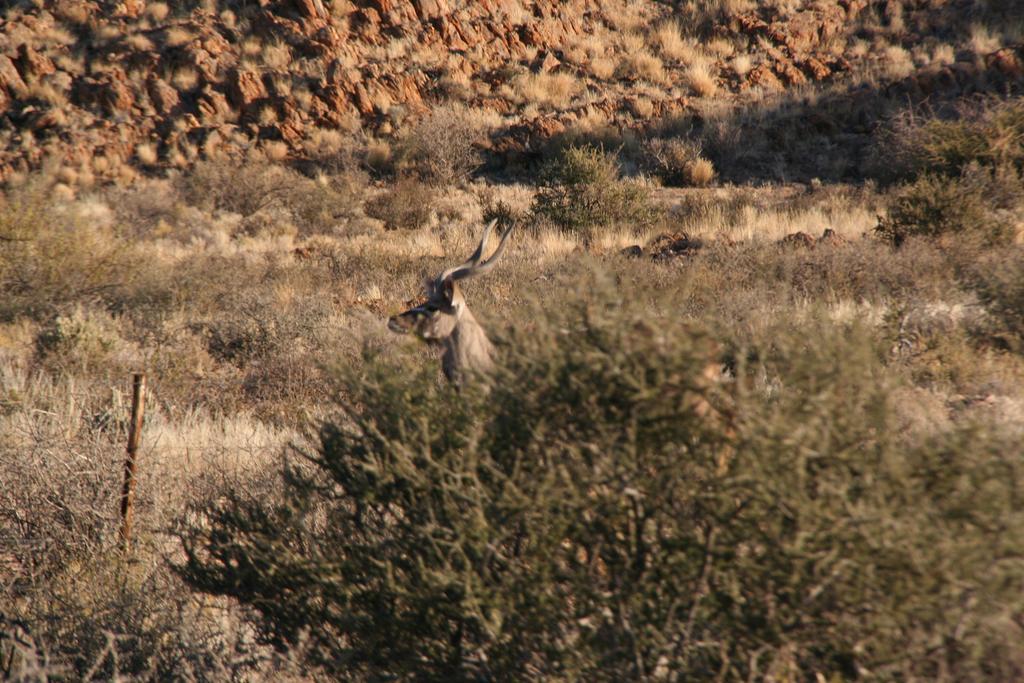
point(607, 512)
point(989, 133)
point(979, 205)
point(580, 190)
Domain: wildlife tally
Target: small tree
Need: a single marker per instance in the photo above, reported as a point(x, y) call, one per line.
point(581, 191)
point(441, 146)
point(978, 205)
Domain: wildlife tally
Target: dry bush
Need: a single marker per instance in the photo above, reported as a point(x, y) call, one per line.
point(149, 208)
point(83, 610)
point(699, 172)
point(780, 137)
point(742, 64)
point(701, 79)
point(998, 280)
point(671, 159)
point(52, 257)
point(378, 157)
point(407, 205)
point(602, 68)
point(442, 147)
point(239, 187)
point(85, 342)
point(670, 41)
point(261, 191)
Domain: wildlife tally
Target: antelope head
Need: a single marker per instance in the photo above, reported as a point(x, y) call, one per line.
point(444, 318)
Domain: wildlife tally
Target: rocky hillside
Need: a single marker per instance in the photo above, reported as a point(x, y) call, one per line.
point(101, 90)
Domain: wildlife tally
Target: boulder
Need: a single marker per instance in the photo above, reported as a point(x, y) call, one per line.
point(10, 79)
point(165, 99)
point(32, 64)
point(244, 88)
point(798, 240)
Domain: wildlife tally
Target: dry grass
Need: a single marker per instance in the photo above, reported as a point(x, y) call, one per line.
point(277, 56)
point(185, 78)
point(983, 41)
point(627, 18)
point(550, 244)
point(701, 79)
point(138, 41)
point(897, 62)
point(643, 66)
point(157, 11)
point(146, 152)
point(177, 36)
point(669, 39)
point(546, 89)
point(602, 68)
point(746, 223)
point(700, 172)
point(742, 64)
point(944, 54)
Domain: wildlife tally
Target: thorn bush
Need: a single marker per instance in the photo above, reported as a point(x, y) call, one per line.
point(577, 521)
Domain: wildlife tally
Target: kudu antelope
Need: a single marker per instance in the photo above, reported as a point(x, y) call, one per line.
point(445, 320)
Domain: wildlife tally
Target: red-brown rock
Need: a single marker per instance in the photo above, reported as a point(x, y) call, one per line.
point(832, 238)
point(213, 105)
point(10, 79)
point(789, 72)
point(109, 92)
point(312, 9)
point(32, 64)
point(819, 71)
point(431, 9)
point(395, 12)
point(799, 240)
point(244, 88)
point(165, 99)
point(1007, 61)
point(762, 76)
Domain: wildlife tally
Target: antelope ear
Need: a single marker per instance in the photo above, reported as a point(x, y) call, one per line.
point(448, 289)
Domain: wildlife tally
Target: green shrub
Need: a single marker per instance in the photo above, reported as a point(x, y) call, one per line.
point(581, 191)
point(577, 522)
point(979, 205)
point(989, 133)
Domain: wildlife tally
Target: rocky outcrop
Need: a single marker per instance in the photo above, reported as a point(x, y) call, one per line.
point(94, 79)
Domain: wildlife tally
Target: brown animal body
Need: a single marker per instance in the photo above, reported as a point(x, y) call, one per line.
point(445, 320)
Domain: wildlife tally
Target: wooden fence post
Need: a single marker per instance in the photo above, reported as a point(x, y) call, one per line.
point(134, 435)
